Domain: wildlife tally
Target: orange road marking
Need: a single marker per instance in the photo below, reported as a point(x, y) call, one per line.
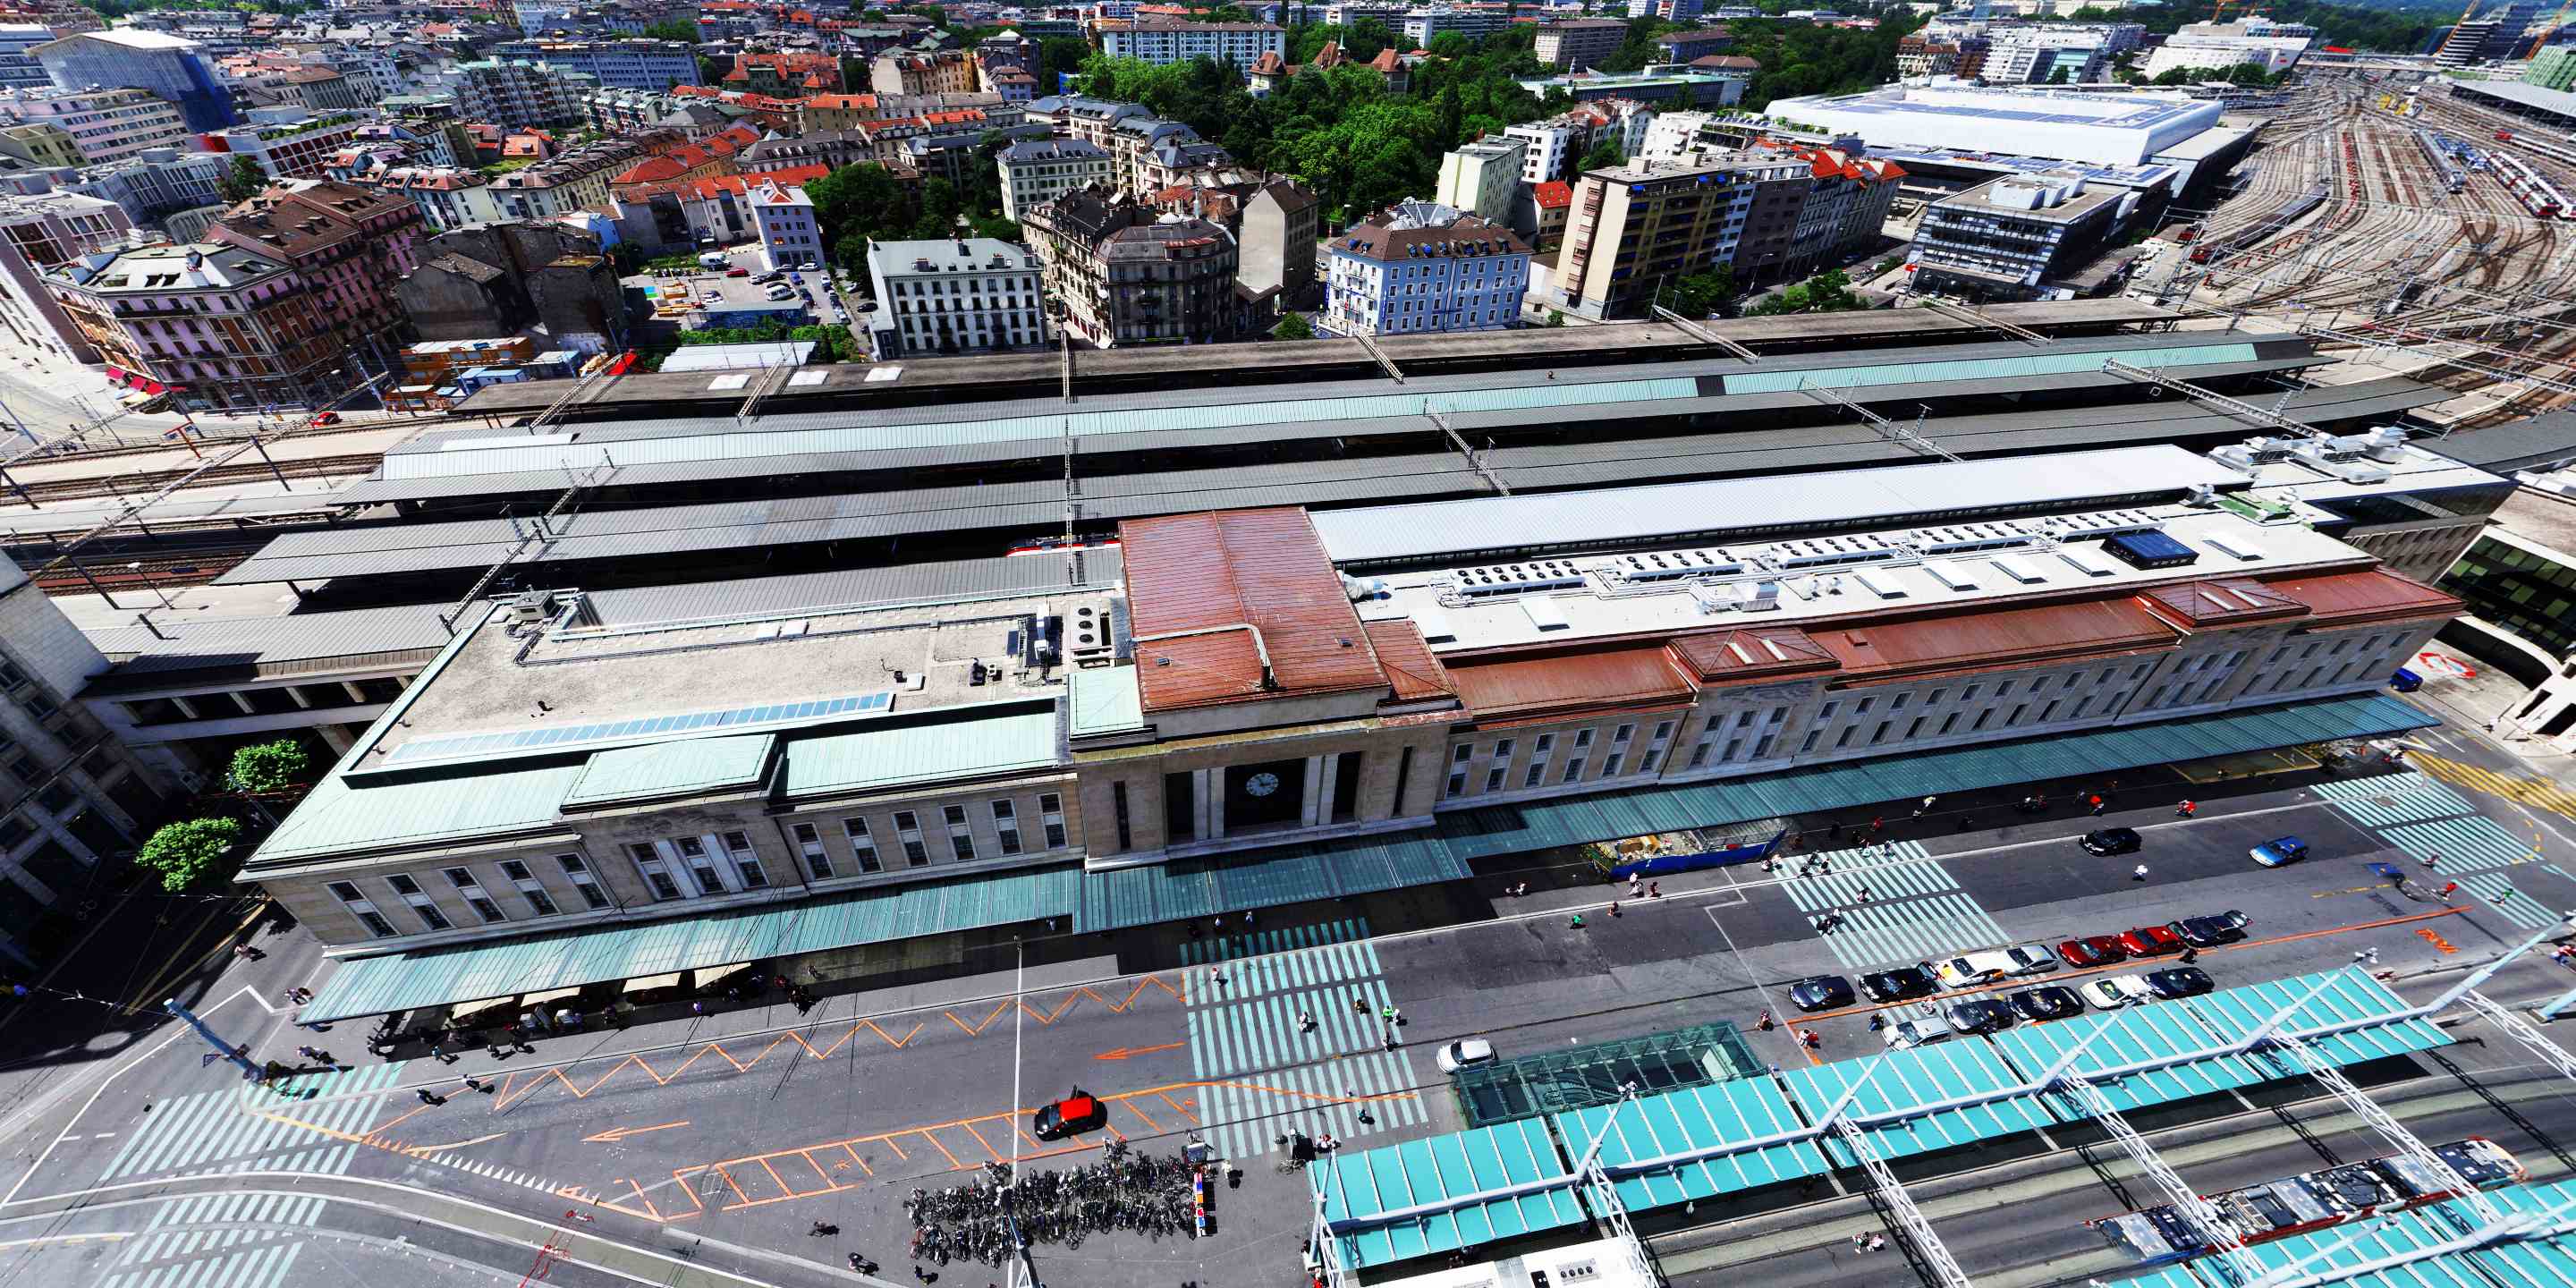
point(1124, 1052)
point(782, 1181)
point(729, 1180)
point(1150, 1124)
point(1177, 1107)
point(388, 1125)
point(616, 1134)
point(654, 1212)
point(979, 1139)
point(888, 1142)
point(2437, 941)
point(943, 1148)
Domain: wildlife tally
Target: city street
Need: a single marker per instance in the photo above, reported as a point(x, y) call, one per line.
point(718, 1140)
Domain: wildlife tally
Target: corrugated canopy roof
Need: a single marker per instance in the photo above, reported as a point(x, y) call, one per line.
point(1212, 595)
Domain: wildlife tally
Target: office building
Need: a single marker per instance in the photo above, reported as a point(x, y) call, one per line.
point(18, 66)
point(1423, 266)
point(1164, 40)
point(104, 124)
point(2045, 55)
point(1482, 177)
point(170, 67)
point(966, 295)
point(1422, 26)
point(783, 219)
point(2216, 47)
point(1578, 43)
point(517, 94)
point(2101, 128)
point(634, 63)
point(2014, 239)
point(2552, 68)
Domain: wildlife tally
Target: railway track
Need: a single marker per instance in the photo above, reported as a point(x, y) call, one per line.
point(168, 572)
point(143, 483)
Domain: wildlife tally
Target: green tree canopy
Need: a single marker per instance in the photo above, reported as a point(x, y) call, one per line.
point(1828, 292)
point(1604, 154)
point(270, 766)
point(673, 29)
point(243, 181)
point(188, 851)
point(1293, 326)
point(1701, 294)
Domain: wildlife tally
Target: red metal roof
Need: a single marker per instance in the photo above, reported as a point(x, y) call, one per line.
point(1991, 638)
point(1233, 585)
point(1409, 663)
point(1725, 657)
point(1553, 193)
point(2227, 602)
point(1571, 683)
point(2370, 595)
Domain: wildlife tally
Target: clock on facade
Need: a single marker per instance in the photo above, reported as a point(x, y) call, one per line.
point(1261, 784)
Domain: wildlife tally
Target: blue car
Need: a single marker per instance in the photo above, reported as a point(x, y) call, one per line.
point(2280, 851)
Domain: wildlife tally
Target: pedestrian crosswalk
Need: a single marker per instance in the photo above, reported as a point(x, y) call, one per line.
point(1905, 872)
point(242, 1126)
point(253, 1244)
point(1877, 934)
point(2494, 891)
point(263, 1265)
point(2537, 792)
point(1246, 1117)
point(1263, 1033)
point(2393, 799)
point(2464, 844)
point(1277, 940)
point(1302, 968)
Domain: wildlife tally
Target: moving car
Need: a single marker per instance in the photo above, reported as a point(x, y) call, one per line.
point(2031, 959)
point(1821, 993)
point(2279, 851)
point(737, 271)
point(1905, 1035)
point(2311, 1201)
point(1984, 1015)
point(2150, 941)
point(2047, 1002)
point(1079, 1112)
point(1899, 984)
point(1971, 969)
point(2093, 950)
point(2179, 981)
point(2112, 840)
point(2111, 992)
point(2209, 932)
point(1464, 1052)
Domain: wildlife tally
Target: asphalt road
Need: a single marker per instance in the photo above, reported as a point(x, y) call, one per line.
point(742, 1129)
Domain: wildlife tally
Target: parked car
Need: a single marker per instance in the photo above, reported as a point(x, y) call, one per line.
point(2150, 941)
point(2210, 931)
point(1821, 993)
point(1462, 1053)
point(737, 271)
point(2047, 1002)
point(1079, 1112)
point(1899, 984)
point(2179, 981)
point(326, 418)
point(2111, 992)
point(1971, 969)
point(2112, 840)
point(2093, 950)
point(1905, 1035)
point(811, 267)
point(2031, 959)
point(1984, 1015)
point(2280, 851)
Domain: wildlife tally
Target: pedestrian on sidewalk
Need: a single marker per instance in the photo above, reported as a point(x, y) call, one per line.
point(2138, 873)
point(1636, 886)
point(1220, 979)
point(1359, 1003)
point(473, 1083)
point(1614, 907)
point(1877, 1241)
point(2186, 810)
point(2189, 955)
point(429, 1097)
point(1654, 889)
point(1577, 924)
point(1864, 895)
point(1305, 1022)
point(247, 953)
point(1877, 1022)
point(1860, 1243)
point(1877, 825)
point(2450, 888)
point(2096, 803)
point(1763, 1021)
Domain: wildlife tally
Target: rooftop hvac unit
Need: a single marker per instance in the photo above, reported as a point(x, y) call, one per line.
point(1363, 589)
point(528, 607)
point(1829, 552)
point(2099, 523)
point(2150, 550)
point(1757, 596)
point(2324, 459)
point(1664, 565)
point(2235, 456)
point(2200, 496)
point(1515, 579)
point(1089, 640)
point(2386, 443)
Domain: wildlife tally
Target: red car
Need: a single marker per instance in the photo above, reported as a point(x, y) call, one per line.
point(737, 272)
point(2099, 950)
point(2151, 941)
point(326, 418)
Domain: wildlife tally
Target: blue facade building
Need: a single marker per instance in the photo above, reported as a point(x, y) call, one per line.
point(170, 66)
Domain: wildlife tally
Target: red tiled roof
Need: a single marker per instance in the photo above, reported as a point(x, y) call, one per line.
point(1209, 594)
point(1553, 193)
point(1409, 663)
point(790, 177)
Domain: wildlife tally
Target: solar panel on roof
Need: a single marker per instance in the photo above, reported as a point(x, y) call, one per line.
point(509, 740)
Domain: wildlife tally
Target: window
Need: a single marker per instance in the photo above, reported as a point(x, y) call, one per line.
point(1949, 722)
point(2003, 690)
point(1622, 735)
point(746, 860)
point(1582, 739)
point(1610, 767)
point(863, 845)
point(1503, 749)
point(809, 846)
point(907, 829)
point(1494, 777)
point(364, 910)
point(1456, 786)
point(1006, 824)
point(1546, 743)
point(1968, 694)
point(1118, 798)
point(1983, 718)
point(1826, 712)
point(961, 843)
point(701, 865)
point(1051, 816)
point(2048, 712)
point(471, 890)
point(1460, 754)
point(1845, 739)
point(1663, 730)
point(1763, 748)
point(1573, 770)
point(657, 874)
point(579, 873)
point(1936, 696)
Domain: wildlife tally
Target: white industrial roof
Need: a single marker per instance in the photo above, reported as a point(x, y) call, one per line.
point(1621, 515)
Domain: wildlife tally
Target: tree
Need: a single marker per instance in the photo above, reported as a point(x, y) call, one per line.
point(855, 203)
point(673, 29)
point(188, 850)
point(2061, 76)
point(711, 71)
point(1293, 326)
point(1702, 294)
point(1828, 292)
point(243, 181)
point(270, 766)
point(1603, 155)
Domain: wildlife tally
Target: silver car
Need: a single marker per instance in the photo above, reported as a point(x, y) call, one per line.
point(2031, 959)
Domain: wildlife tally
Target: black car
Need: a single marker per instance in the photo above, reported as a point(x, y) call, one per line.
point(1821, 993)
point(2209, 932)
point(1899, 984)
point(2112, 840)
point(2179, 981)
point(2047, 1002)
point(1984, 1015)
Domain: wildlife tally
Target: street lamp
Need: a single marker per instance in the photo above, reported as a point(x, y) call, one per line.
point(138, 569)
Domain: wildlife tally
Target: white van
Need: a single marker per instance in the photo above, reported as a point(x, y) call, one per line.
point(713, 260)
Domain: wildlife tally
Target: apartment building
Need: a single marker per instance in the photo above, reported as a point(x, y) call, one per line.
point(1578, 43)
point(628, 111)
point(349, 244)
point(784, 75)
point(287, 142)
point(1475, 22)
point(1121, 274)
point(1482, 177)
point(104, 124)
point(613, 64)
point(1557, 144)
point(515, 94)
point(172, 68)
point(1236, 730)
point(1691, 46)
point(156, 181)
point(783, 219)
point(1169, 40)
point(226, 326)
point(1847, 201)
point(45, 147)
point(1036, 171)
point(38, 231)
point(1423, 267)
point(968, 295)
point(448, 196)
point(2015, 238)
point(946, 71)
point(575, 180)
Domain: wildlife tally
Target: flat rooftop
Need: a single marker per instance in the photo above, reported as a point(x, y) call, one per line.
point(2017, 106)
point(2143, 176)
